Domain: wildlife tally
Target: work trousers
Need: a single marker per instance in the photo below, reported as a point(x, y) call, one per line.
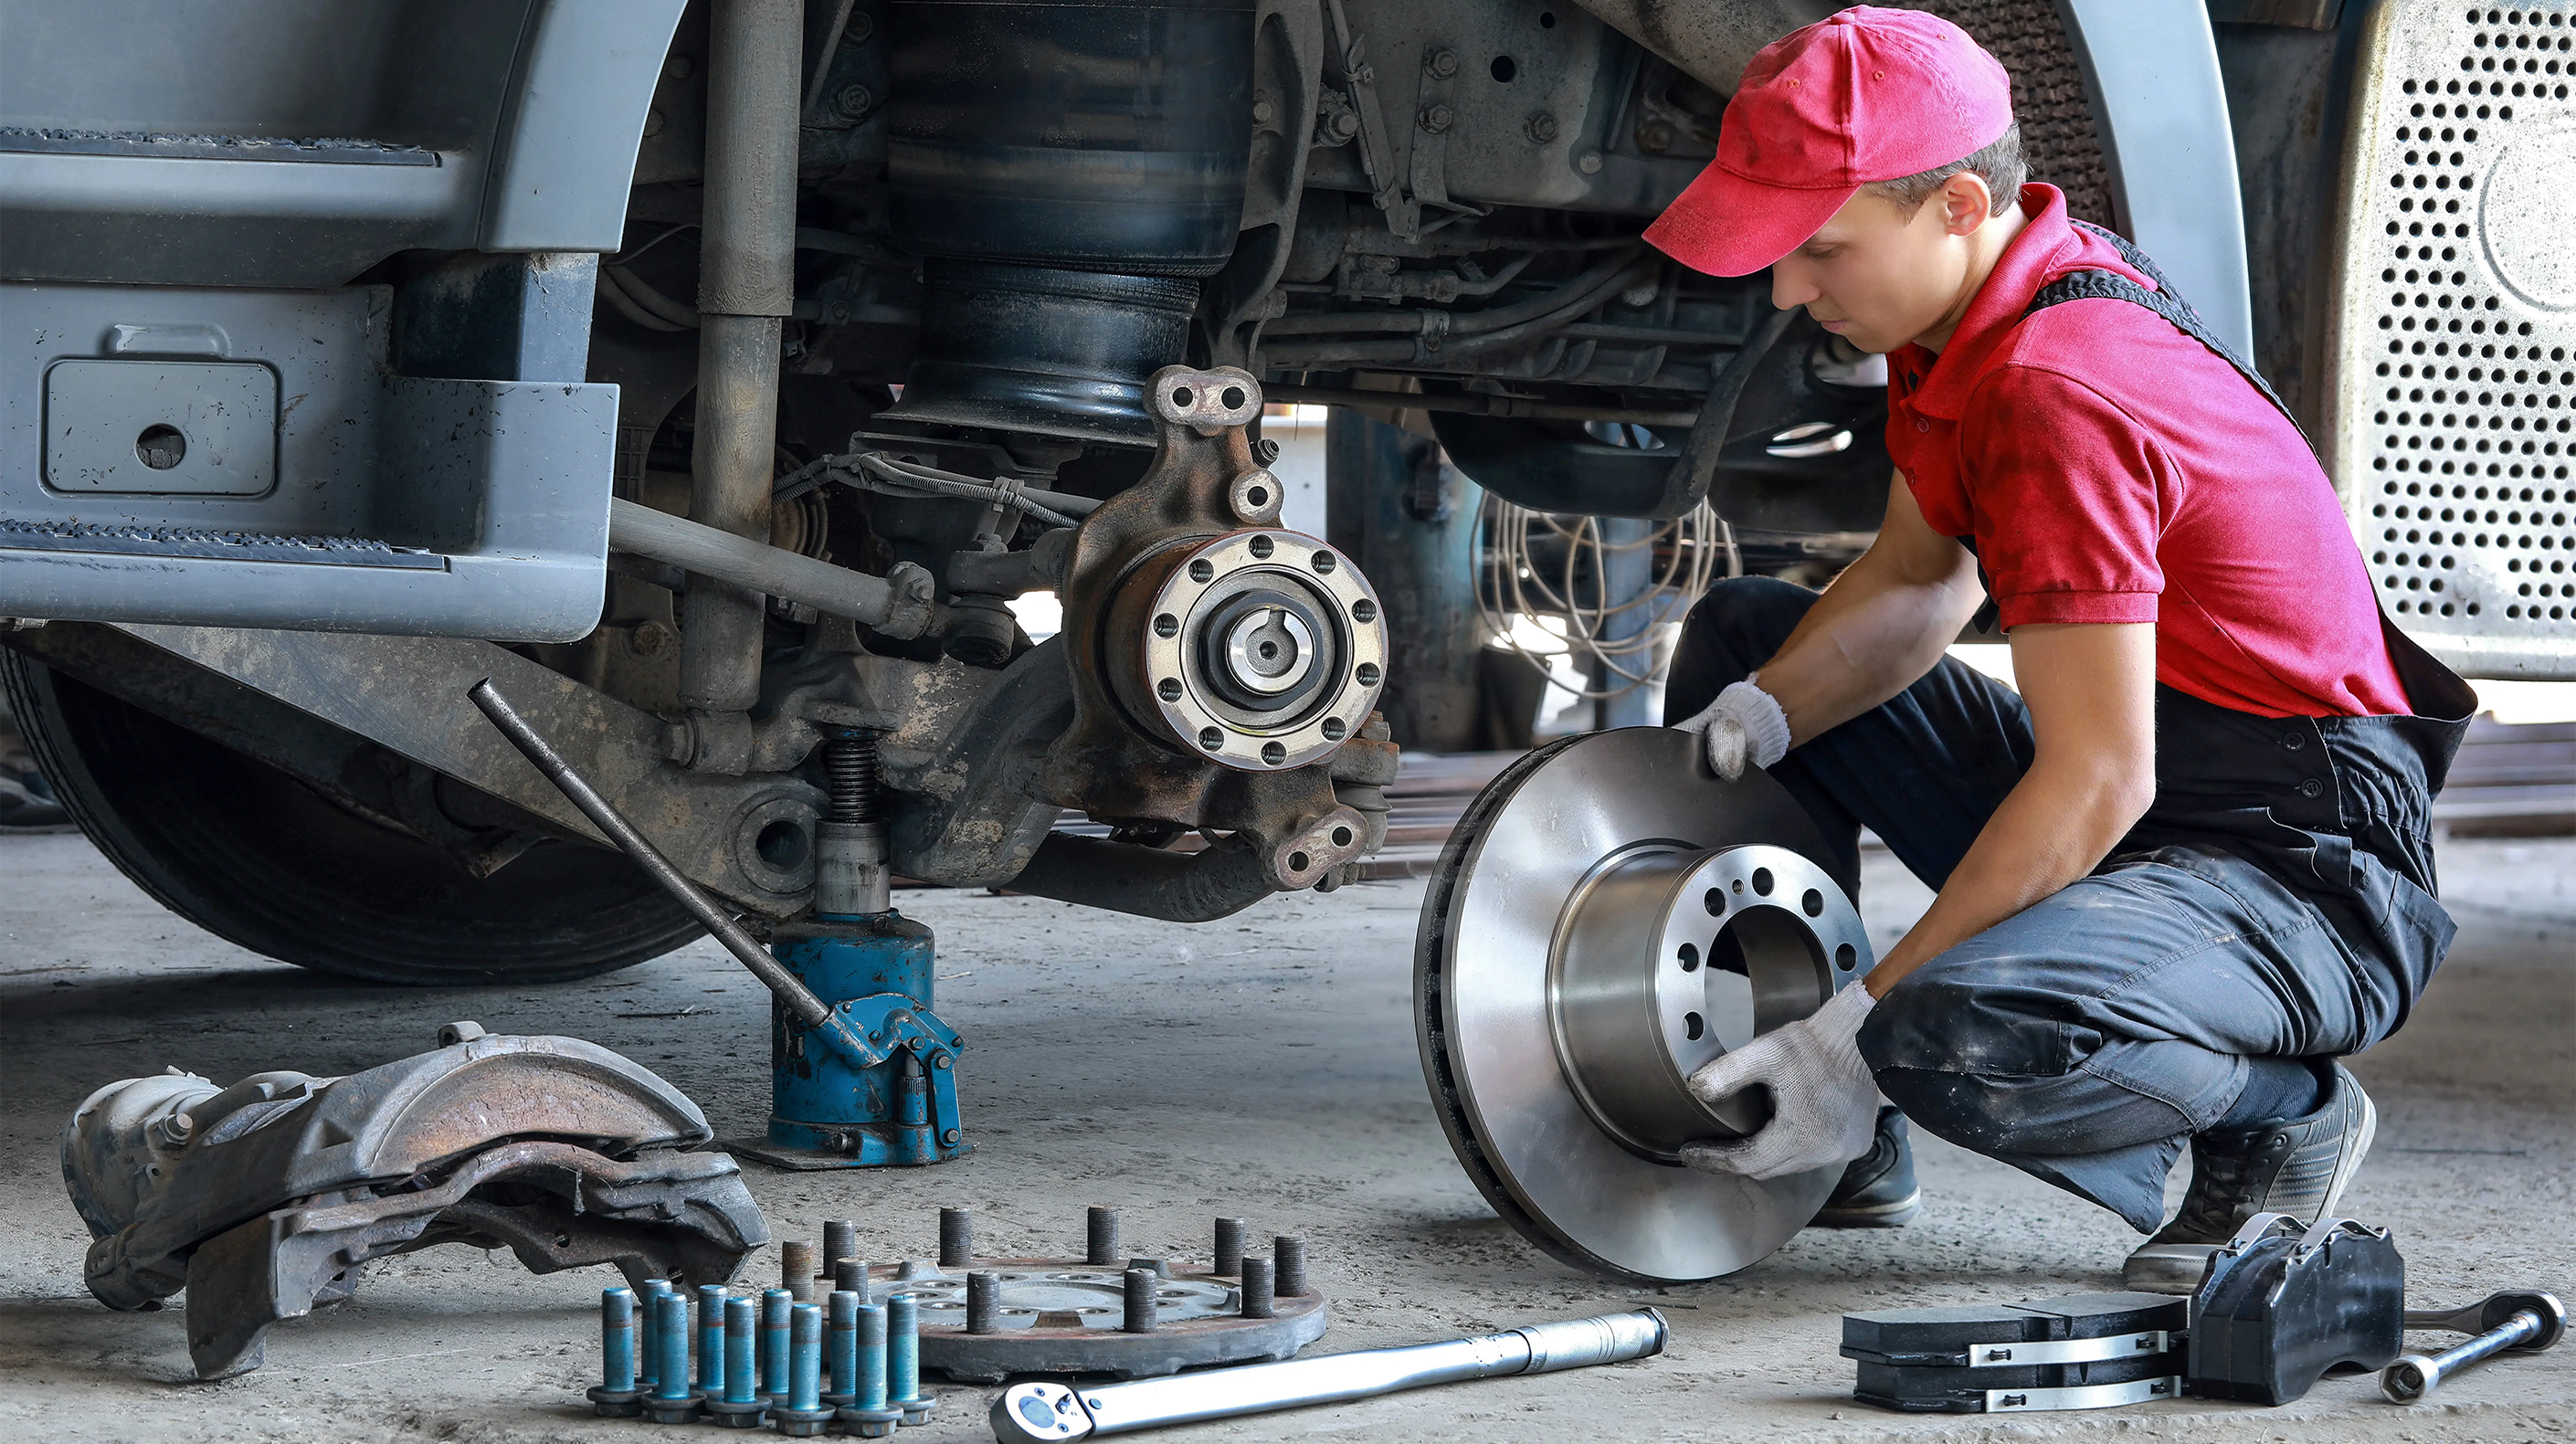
point(2084, 1039)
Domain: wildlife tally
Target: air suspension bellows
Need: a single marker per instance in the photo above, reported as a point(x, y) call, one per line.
point(1070, 171)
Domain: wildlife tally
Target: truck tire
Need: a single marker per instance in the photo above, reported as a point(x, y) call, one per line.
point(255, 857)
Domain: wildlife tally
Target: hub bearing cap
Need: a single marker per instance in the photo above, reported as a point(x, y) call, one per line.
point(1607, 919)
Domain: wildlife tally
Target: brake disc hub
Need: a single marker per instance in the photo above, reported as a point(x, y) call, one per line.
point(1670, 958)
point(1606, 920)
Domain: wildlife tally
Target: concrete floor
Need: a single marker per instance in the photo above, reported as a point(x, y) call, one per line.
point(1264, 1066)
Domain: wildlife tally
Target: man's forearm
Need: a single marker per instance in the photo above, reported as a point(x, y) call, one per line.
point(1871, 634)
point(2091, 692)
point(2051, 830)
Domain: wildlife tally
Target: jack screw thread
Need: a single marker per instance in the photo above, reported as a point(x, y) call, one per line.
point(850, 762)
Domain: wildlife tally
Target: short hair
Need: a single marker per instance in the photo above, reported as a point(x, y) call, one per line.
point(1999, 165)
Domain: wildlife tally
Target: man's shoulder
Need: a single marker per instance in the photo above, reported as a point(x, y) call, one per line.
point(2117, 349)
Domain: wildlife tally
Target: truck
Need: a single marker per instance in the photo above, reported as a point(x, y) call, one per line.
point(713, 376)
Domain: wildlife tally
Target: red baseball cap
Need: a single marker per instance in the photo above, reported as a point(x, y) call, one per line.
point(1867, 94)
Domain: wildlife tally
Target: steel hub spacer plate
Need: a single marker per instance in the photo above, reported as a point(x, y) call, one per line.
point(1064, 1316)
point(1525, 848)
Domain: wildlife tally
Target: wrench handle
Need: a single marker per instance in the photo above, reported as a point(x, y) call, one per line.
point(2415, 1377)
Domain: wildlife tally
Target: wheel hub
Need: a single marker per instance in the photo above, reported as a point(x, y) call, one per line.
point(1258, 649)
point(1606, 920)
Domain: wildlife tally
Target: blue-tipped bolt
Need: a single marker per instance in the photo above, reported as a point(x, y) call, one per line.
point(774, 1304)
point(903, 1361)
point(804, 1414)
point(711, 1340)
point(648, 1333)
point(869, 1415)
point(672, 1401)
point(615, 1395)
point(741, 1406)
point(841, 1347)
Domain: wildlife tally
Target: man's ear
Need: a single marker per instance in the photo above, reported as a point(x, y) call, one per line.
point(1965, 203)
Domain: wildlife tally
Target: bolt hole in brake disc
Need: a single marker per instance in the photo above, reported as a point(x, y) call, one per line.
point(1608, 918)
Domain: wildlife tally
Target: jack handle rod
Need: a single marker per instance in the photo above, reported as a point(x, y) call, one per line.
point(1050, 1413)
point(799, 999)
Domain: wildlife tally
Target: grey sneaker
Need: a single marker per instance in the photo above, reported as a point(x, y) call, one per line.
point(1877, 1189)
point(2299, 1168)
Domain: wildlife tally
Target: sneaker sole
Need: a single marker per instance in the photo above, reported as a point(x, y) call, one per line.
point(1875, 1215)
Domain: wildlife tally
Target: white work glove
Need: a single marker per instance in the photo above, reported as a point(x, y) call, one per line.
point(1824, 1108)
point(1743, 725)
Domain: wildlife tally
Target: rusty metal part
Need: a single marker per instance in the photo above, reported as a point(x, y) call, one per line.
point(1068, 1316)
point(267, 1198)
point(1170, 724)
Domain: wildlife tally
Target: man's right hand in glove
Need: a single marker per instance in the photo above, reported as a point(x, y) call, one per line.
point(1744, 725)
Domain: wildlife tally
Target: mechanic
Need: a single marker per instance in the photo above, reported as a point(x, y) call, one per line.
point(2187, 868)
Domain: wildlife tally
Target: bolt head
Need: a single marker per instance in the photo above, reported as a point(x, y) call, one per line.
point(1442, 63)
point(1590, 163)
point(854, 100)
point(1540, 128)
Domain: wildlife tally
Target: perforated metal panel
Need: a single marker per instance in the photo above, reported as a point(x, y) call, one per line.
point(2455, 392)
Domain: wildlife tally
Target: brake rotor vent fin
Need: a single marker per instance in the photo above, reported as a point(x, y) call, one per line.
point(2458, 444)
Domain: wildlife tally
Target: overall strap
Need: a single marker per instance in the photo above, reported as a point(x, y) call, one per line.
point(2164, 301)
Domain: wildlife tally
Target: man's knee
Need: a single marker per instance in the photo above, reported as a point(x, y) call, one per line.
point(1736, 626)
point(1969, 1056)
point(1966, 1013)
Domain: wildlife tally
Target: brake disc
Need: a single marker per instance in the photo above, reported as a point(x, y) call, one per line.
point(1607, 918)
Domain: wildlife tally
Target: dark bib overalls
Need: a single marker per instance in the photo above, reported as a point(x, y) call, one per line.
point(2276, 901)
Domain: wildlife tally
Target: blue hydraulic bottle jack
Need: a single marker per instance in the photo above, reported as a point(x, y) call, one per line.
point(893, 1099)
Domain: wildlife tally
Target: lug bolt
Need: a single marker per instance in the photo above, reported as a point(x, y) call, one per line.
point(1290, 1252)
point(851, 1276)
point(648, 1333)
point(1260, 1301)
point(740, 1406)
point(903, 1361)
point(1102, 1225)
point(956, 1238)
point(1229, 1246)
point(983, 1300)
point(1142, 1307)
point(796, 1270)
point(804, 1415)
point(869, 1416)
point(841, 1347)
point(671, 1401)
point(774, 1304)
point(711, 1340)
point(615, 1395)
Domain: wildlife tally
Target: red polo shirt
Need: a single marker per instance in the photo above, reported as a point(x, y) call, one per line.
point(2111, 469)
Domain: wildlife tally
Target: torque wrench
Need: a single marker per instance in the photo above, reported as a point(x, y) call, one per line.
point(1049, 1413)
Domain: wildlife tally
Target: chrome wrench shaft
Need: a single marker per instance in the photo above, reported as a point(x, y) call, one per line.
point(1044, 1413)
point(2523, 1319)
